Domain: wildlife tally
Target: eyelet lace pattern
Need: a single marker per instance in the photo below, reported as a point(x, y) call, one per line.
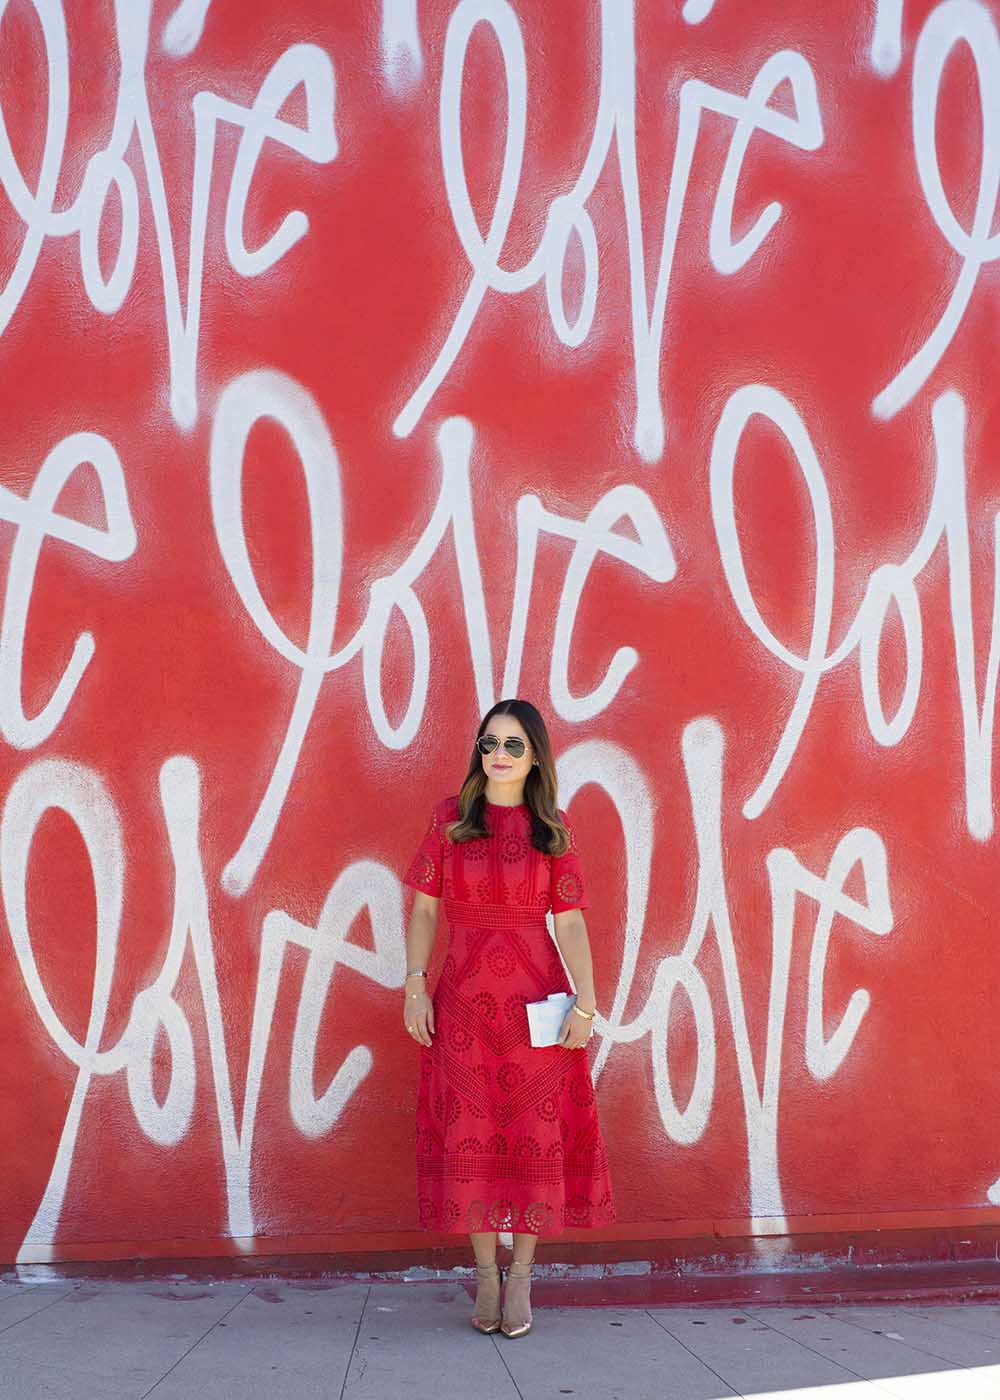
point(507, 1133)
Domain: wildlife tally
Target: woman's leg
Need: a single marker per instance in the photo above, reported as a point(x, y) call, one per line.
point(484, 1246)
point(524, 1247)
point(486, 1314)
point(517, 1299)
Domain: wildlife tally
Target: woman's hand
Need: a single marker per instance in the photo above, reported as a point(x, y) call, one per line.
point(418, 1017)
point(575, 1030)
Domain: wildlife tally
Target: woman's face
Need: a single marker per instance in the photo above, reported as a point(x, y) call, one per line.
point(502, 769)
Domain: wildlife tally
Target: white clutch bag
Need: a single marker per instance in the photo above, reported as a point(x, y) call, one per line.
point(545, 1018)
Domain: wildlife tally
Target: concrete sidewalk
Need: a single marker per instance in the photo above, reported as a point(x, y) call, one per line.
point(266, 1340)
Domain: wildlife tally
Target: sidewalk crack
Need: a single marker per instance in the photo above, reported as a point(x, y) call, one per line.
point(197, 1342)
point(354, 1344)
point(503, 1360)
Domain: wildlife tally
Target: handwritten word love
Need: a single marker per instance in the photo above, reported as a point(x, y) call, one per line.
point(567, 214)
point(613, 771)
point(82, 795)
point(300, 64)
point(889, 586)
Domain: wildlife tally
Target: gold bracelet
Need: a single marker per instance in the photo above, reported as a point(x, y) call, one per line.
point(588, 1014)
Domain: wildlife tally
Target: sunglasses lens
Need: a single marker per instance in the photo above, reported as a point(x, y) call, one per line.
point(515, 747)
point(486, 744)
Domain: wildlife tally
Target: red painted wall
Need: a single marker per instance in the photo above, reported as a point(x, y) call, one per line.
point(365, 363)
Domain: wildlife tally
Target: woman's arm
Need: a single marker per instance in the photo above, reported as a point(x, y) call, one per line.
point(418, 1009)
point(574, 944)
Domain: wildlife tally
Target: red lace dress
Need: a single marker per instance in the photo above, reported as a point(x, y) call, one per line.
point(507, 1133)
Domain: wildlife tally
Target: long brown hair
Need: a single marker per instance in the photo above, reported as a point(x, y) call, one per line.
point(548, 833)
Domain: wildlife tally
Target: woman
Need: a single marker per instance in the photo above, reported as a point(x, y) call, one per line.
point(507, 1132)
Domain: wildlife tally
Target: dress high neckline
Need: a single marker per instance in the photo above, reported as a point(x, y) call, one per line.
point(504, 806)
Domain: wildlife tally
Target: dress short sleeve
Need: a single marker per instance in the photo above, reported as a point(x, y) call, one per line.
point(426, 869)
point(567, 888)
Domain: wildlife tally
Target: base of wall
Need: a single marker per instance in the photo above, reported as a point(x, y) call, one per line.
point(942, 1264)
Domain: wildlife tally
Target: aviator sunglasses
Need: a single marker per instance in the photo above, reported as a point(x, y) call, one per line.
point(486, 743)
